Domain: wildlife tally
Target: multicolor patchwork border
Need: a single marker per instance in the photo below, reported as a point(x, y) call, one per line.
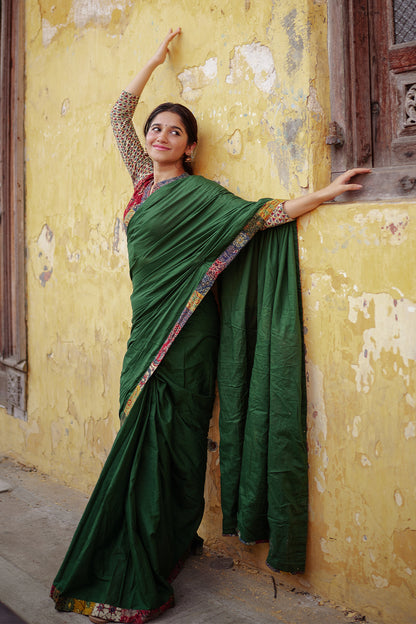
point(136, 199)
point(108, 612)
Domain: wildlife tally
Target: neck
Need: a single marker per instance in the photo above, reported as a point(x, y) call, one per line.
point(161, 173)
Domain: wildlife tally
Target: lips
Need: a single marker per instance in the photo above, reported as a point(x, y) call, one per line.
point(160, 147)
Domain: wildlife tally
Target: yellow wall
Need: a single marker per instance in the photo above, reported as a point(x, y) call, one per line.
point(255, 74)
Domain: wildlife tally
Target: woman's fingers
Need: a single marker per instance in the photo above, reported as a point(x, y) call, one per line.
point(342, 183)
point(358, 171)
point(163, 49)
point(169, 37)
point(173, 33)
point(352, 172)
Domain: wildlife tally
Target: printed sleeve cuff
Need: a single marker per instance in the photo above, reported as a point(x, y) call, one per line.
point(278, 216)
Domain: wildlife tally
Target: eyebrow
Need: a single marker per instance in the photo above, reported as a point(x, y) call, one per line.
point(157, 123)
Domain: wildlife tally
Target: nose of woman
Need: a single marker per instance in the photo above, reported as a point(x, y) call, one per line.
point(163, 135)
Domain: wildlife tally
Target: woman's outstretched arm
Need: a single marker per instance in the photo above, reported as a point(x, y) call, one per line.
point(301, 205)
point(138, 83)
point(293, 207)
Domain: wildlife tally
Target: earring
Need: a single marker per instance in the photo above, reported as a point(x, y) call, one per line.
point(188, 159)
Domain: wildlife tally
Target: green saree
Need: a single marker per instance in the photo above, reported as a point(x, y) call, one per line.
point(148, 502)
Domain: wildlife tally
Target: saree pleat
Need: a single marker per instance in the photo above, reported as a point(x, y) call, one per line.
point(263, 454)
point(148, 502)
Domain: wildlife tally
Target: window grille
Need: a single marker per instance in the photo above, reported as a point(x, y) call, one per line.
point(404, 17)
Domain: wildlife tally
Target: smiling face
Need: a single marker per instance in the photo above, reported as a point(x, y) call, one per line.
point(167, 140)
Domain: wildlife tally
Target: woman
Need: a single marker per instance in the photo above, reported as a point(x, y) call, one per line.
point(183, 232)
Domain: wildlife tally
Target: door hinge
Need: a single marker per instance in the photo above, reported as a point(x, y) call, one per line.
point(336, 135)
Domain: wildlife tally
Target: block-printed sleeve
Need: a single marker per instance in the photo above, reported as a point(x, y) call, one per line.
point(278, 215)
point(134, 157)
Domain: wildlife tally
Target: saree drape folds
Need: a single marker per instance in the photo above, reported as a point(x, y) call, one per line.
point(174, 240)
point(263, 454)
point(148, 502)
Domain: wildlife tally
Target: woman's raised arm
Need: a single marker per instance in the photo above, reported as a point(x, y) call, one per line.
point(138, 83)
point(134, 156)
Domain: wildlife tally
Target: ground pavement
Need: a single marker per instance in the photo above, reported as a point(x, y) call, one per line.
point(38, 516)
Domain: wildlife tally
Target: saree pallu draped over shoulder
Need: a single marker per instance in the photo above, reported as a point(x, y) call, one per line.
point(148, 502)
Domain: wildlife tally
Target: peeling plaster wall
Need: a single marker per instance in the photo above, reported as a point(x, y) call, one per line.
point(255, 75)
point(360, 322)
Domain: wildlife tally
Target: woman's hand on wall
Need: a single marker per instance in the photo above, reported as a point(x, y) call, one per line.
point(138, 83)
point(163, 49)
point(342, 183)
point(301, 205)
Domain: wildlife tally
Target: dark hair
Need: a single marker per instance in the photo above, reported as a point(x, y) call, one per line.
point(188, 120)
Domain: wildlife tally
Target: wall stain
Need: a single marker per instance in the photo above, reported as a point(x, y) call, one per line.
point(410, 430)
point(45, 276)
point(392, 334)
point(291, 129)
point(257, 58)
point(46, 246)
point(295, 54)
point(65, 106)
point(393, 224)
point(58, 16)
point(404, 544)
point(234, 143)
point(194, 79)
